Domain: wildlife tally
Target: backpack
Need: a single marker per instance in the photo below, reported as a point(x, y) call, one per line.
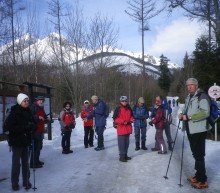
point(214, 110)
point(115, 115)
point(5, 128)
point(167, 112)
point(107, 111)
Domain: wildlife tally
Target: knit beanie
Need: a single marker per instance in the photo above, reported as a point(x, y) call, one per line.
point(21, 97)
point(141, 100)
point(94, 97)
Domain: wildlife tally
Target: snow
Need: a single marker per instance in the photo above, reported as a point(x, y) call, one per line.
point(89, 171)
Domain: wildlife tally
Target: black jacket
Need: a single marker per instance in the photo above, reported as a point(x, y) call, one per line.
point(20, 124)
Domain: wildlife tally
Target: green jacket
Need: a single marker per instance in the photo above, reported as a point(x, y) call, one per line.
point(197, 111)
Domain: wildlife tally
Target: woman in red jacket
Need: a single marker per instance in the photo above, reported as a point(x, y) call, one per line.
point(158, 121)
point(123, 119)
point(67, 122)
point(88, 124)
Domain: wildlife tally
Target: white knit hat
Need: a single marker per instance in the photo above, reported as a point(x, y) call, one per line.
point(86, 101)
point(21, 97)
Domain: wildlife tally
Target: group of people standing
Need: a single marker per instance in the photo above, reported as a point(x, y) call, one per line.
point(26, 126)
point(124, 116)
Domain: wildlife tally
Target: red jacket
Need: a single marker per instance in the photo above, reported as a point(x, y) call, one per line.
point(124, 115)
point(84, 113)
point(158, 119)
point(38, 111)
point(67, 118)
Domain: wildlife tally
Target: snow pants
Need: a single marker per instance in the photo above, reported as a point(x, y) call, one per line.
point(66, 139)
point(159, 141)
point(197, 145)
point(20, 154)
point(99, 132)
point(123, 144)
point(140, 133)
point(88, 136)
point(168, 133)
point(38, 145)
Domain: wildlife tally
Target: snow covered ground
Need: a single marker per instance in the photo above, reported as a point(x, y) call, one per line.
point(89, 171)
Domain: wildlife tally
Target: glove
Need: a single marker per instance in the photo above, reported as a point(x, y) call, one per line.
point(72, 125)
point(150, 123)
point(66, 127)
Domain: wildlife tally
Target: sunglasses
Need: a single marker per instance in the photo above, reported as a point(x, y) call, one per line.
point(124, 101)
point(25, 101)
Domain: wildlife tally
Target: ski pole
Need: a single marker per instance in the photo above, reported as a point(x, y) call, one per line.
point(34, 188)
point(181, 169)
point(172, 150)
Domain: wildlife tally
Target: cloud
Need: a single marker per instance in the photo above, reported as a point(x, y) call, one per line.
point(177, 38)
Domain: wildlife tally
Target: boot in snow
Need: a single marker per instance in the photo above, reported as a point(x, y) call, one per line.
point(137, 146)
point(143, 145)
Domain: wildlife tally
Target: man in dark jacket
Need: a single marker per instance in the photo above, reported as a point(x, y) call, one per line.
point(37, 109)
point(140, 113)
point(20, 124)
point(99, 114)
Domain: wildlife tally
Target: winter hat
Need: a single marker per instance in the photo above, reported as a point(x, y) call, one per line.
point(94, 97)
point(86, 101)
point(39, 98)
point(192, 80)
point(123, 98)
point(141, 100)
point(21, 97)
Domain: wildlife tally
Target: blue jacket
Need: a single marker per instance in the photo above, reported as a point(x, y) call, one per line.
point(140, 116)
point(99, 113)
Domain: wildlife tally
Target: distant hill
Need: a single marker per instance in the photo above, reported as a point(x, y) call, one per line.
point(29, 49)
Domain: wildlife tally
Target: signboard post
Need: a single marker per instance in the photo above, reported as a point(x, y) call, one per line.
point(214, 92)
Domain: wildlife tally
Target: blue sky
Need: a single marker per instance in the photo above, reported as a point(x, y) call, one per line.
point(172, 36)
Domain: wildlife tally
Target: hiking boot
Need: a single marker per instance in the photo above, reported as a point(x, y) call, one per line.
point(27, 185)
point(91, 145)
point(162, 152)
point(192, 179)
point(143, 145)
point(200, 185)
point(99, 148)
point(65, 152)
point(69, 151)
point(122, 159)
point(40, 162)
point(137, 146)
point(127, 158)
point(15, 187)
point(155, 149)
point(36, 166)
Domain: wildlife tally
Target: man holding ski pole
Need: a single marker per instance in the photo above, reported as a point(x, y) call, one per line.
point(194, 120)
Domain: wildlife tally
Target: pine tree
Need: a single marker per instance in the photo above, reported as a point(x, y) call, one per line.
point(165, 78)
point(206, 63)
